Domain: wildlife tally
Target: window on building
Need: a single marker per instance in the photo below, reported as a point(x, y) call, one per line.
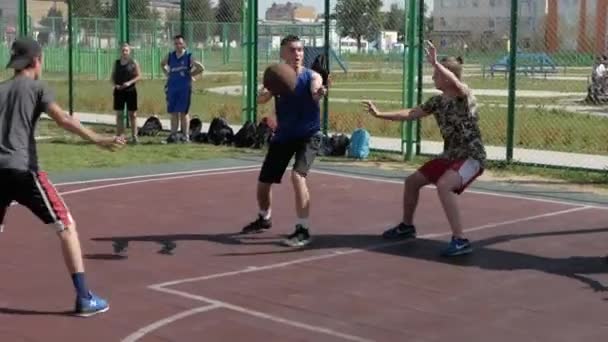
point(491, 23)
point(475, 3)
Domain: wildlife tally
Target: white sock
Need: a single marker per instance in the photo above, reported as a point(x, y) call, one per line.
point(265, 214)
point(1, 228)
point(302, 222)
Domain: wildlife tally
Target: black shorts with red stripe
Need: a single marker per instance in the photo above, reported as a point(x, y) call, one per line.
point(35, 191)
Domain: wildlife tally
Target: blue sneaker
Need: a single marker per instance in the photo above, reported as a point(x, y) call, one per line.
point(402, 231)
point(457, 246)
point(87, 307)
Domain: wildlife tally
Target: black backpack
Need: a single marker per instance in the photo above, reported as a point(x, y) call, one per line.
point(325, 149)
point(151, 127)
point(220, 133)
point(246, 136)
point(339, 145)
point(176, 138)
point(196, 127)
point(263, 134)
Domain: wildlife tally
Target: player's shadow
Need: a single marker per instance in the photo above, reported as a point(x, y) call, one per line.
point(485, 256)
point(27, 312)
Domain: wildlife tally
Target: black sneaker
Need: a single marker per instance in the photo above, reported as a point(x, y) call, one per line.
point(402, 231)
point(299, 238)
point(257, 226)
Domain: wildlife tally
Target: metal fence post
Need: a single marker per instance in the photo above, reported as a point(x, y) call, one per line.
point(512, 81)
point(328, 58)
point(123, 19)
point(70, 57)
point(409, 82)
point(23, 18)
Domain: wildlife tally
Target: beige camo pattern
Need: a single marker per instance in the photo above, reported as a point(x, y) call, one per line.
point(457, 118)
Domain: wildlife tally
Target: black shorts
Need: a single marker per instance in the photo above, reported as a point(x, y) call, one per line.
point(36, 192)
point(280, 153)
point(128, 97)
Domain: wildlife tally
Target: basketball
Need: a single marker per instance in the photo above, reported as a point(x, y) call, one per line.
point(280, 79)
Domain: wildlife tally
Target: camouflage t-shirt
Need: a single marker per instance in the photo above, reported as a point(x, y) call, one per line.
point(457, 118)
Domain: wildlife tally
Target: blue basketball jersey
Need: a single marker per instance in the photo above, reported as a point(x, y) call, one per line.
point(298, 114)
point(179, 71)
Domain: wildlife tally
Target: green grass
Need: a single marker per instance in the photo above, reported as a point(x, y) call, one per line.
point(96, 97)
point(537, 127)
point(65, 152)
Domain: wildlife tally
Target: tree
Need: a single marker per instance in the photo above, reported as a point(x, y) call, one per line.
point(172, 22)
point(54, 23)
point(138, 9)
point(84, 10)
point(358, 19)
point(87, 8)
point(229, 12)
point(395, 20)
point(199, 16)
point(142, 19)
point(428, 20)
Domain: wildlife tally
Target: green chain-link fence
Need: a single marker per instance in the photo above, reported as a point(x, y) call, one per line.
point(545, 108)
point(537, 109)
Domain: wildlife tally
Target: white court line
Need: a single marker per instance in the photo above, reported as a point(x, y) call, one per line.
point(99, 187)
point(171, 319)
point(263, 315)
point(163, 286)
point(334, 254)
point(153, 175)
point(471, 191)
point(331, 173)
point(189, 174)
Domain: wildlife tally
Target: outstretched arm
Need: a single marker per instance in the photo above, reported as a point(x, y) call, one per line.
point(431, 56)
point(400, 115)
point(73, 125)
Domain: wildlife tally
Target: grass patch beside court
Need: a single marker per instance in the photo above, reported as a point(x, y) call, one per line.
point(65, 152)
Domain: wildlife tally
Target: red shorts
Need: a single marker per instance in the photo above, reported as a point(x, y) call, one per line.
point(468, 169)
point(35, 191)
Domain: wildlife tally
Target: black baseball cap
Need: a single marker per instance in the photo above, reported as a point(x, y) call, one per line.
point(23, 53)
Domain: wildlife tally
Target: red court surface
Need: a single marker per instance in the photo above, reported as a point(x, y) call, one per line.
point(538, 272)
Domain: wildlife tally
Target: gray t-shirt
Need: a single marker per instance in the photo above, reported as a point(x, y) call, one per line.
point(22, 101)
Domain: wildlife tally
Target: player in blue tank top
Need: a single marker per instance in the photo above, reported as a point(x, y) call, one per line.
point(297, 134)
point(180, 68)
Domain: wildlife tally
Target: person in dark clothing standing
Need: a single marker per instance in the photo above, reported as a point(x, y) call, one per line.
point(124, 76)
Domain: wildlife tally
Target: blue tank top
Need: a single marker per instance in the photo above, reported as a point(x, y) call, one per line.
point(298, 115)
point(179, 71)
